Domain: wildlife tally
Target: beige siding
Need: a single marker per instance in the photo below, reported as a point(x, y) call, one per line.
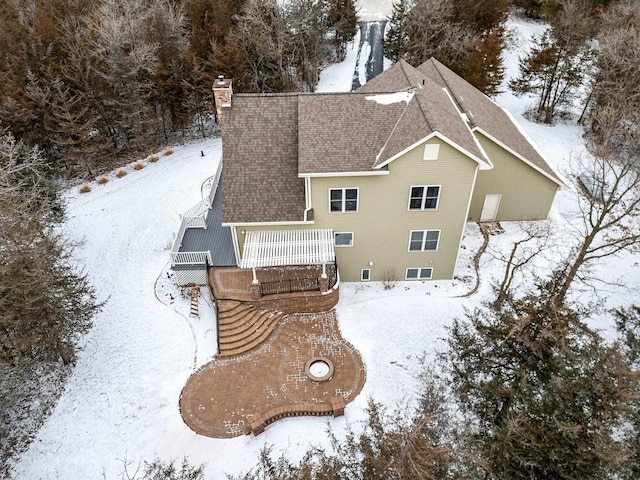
point(382, 224)
point(526, 193)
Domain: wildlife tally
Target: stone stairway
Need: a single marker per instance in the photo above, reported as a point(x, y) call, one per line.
point(243, 327)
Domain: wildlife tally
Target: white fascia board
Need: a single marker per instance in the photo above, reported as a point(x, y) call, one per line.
point(560, 183)
point(344, 174)
point(481, 163)
point(262, 224)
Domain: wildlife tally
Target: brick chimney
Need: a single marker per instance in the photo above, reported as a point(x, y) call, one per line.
point(222, 93)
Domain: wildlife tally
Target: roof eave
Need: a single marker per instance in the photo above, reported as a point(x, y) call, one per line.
point(483, 165)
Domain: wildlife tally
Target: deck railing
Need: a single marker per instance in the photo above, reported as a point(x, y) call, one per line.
point(190, 257)
point(290, 286)
point(195, 217)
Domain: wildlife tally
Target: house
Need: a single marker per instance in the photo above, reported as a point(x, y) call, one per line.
point(381, 180)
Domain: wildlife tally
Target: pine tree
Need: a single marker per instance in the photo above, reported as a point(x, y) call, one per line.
point(483, 65)
point(46, 304)
point(397, 38)
point(545, 394)
point(342, 18)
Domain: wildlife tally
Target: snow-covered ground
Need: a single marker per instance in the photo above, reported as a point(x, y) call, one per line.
point(374, 9)
point(122, 399)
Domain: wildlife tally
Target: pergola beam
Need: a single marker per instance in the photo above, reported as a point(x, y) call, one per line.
point(275, 248)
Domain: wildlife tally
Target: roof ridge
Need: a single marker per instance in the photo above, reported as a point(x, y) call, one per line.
point(444, 80)
point(394, 129)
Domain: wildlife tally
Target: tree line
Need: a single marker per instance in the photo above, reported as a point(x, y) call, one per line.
point(90, 80)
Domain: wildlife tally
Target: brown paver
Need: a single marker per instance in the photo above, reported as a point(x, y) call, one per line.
point(224, 396)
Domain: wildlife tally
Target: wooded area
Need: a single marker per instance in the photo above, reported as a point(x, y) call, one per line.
point(90, 80)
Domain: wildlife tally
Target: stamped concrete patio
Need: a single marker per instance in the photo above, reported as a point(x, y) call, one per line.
point(224, 396)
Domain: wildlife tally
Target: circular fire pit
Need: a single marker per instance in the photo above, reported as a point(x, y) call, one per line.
point(319, 369)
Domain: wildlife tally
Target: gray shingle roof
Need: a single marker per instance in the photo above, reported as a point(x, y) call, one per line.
point(269, 139)
point(343, 132)
point(260, 155)
point(485, 114)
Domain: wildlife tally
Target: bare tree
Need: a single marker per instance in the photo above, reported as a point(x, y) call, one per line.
point(535, 239)
point(608, 186)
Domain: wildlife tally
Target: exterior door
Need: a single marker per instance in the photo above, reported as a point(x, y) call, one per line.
point(490, 208)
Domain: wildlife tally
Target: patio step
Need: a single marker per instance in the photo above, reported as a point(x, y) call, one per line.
point(257, 323)
point(244, 327)
point(236, 318)
point(225, 305)
point(250, 342)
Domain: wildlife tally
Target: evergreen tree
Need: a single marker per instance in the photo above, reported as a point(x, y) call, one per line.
point(545, 394)
point(553, 74)
point(483, 66)
point(46, 304)
point(397, 38)
point(628, 323)
point(342, 18)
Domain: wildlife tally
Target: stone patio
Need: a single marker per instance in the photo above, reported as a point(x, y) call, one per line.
point(224, 396)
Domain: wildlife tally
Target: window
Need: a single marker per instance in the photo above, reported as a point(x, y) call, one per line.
point(343, 200)
point(365, 274)
point(424, 197)
point(344, 239)
point(424, 240)
point(431, 152)
point(419, 273)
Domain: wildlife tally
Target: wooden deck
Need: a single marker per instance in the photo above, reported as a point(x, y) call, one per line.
point(232, 283)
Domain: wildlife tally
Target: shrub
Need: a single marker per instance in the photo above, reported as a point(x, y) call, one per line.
point(138, 165)
point(168, 151)
point(153, 158)
point(121, 173)
point(102, 180)
point(85, 188)
point(389, 278)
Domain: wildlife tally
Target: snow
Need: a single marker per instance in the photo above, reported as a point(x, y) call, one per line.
point(390, 98)
point(122, 398)
point(369, 10)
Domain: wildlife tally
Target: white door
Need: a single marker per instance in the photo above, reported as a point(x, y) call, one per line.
point(490, 208)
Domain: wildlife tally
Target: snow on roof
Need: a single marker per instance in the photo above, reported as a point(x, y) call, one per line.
point(389, 98)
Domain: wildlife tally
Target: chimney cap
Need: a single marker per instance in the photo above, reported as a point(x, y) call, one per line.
point(220, 78)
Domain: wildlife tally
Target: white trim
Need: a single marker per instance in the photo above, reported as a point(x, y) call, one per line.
point(236, 245)
point(344, 199)
point(483, 164)
point(264, 224)
point(272, 248)
point(353, 239)
point(307, 194)
point(344, 174)
point(557, 181)
point(424, 197)
point(362, 279)
point(473, 187)
point(424, 239)
point(406, 273)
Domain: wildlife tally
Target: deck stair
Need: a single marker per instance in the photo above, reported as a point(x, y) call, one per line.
point(195, 294)
point(243, 327)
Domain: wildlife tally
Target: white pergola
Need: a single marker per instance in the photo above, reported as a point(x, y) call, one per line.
point(275, 248)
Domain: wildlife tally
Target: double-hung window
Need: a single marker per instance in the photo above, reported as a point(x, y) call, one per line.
point(419, 273)
point(424, 240)
point(424, 197)
point(343, 199)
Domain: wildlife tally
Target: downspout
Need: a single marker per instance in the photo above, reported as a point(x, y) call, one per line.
point(307, 198)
